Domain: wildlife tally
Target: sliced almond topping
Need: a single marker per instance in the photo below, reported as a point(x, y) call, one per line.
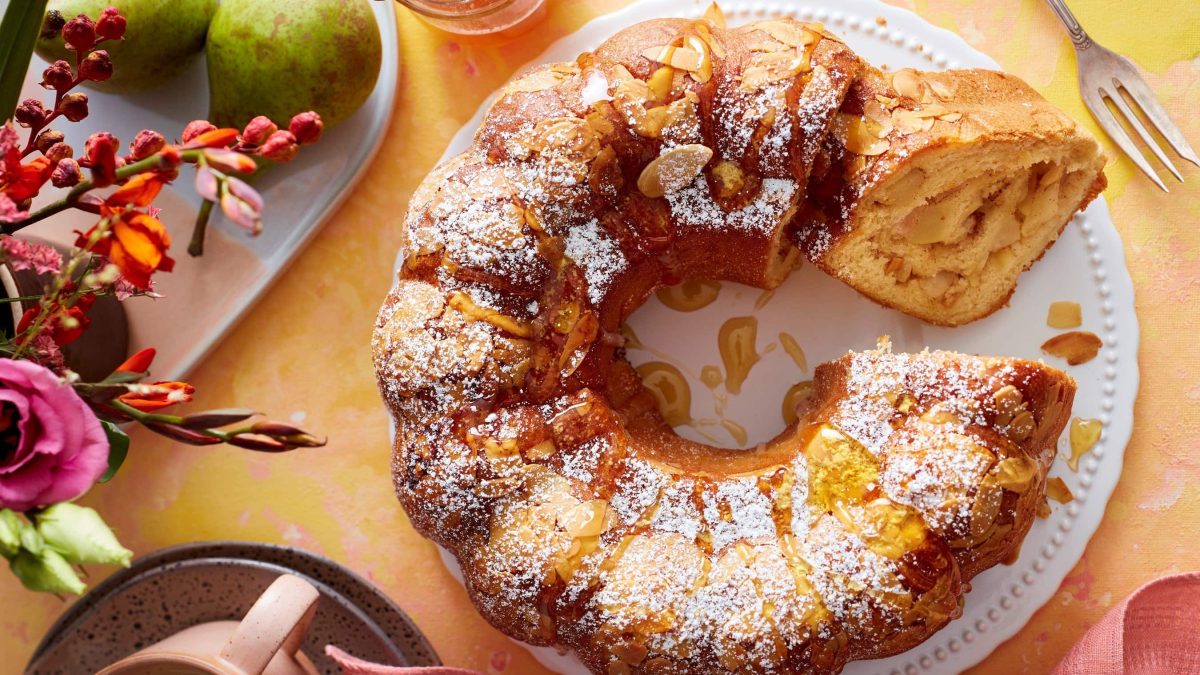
point(1076, 347)
point(683, 58)
point(537, 81)
point(907, 122)
point(908, 84)
point(1064, 314)
point(703, 71)
point(1016, 473)
point(942, 91)
point(1084, 436)
point(938, 414)
point(584, 520)
point(950, 117)
point(789, 33)
point(933, 110)
point(857, 137)
point(1021, 426)
point(1056, 489)
point(764, 69)
point(674, 169)
point(715, 15)
point(986, 507)
point(1008, 399)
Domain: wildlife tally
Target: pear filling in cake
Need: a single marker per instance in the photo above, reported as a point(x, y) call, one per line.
point(936, 239)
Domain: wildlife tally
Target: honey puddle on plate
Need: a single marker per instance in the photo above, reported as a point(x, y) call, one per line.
point(670, 389)
point(737, 342)
point(690, 295)
point(738, 352)
point(797, 394)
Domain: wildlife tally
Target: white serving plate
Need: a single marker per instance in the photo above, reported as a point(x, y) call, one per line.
point(206, 296)
point(1086, 265)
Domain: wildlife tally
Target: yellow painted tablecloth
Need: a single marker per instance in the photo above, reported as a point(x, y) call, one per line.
point(302, 353)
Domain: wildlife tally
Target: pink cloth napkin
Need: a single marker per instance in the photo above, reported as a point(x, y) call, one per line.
point(1155, 631)
point(355, 666)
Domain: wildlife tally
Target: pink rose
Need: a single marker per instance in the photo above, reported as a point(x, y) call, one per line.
point(52, 447)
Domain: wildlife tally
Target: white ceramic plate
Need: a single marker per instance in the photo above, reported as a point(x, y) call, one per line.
point(207, 296)
point(1087, 266)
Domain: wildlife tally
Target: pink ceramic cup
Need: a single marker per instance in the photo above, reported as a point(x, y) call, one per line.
point(266, 642)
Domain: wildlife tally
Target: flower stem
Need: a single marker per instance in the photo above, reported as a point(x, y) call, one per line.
point(144, 418)
point(150, 163)
point(196, 246)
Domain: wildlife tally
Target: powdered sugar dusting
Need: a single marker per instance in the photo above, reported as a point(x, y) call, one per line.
point(598, 255)
point(694, 207)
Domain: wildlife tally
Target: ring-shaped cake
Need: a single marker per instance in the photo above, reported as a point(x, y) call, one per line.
point(528, 447)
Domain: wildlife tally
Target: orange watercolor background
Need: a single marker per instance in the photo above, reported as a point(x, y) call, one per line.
point(302, 353)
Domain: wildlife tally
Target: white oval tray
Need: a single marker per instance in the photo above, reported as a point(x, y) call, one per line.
point(1087, 266)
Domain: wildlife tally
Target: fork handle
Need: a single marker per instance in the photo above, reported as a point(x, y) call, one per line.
point(1078, 35)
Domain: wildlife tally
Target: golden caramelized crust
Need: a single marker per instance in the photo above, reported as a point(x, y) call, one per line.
point(527, 446)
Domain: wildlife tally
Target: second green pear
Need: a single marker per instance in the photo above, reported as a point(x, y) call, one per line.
point(283, 57)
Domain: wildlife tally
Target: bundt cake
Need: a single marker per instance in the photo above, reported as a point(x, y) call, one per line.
point(528, 447)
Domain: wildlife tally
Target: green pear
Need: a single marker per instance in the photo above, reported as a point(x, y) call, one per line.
point(161, 38)
point(281, 57)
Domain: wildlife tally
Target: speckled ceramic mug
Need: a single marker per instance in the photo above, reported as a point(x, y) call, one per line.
point(266, 642)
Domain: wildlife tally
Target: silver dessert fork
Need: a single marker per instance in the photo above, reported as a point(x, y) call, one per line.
point(1102, 75)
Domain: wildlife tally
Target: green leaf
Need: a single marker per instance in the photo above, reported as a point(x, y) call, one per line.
point(19, 31)
point(80, 535)
point(46, 571)
point(118, 447)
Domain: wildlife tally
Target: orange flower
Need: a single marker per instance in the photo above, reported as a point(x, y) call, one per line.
point(213, 138)
point(137, 245)
point(139, 362)
point(138, 191)
point(152, 397)
point(32, 176)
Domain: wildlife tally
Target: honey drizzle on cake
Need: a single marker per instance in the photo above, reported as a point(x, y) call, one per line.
point(491, 354)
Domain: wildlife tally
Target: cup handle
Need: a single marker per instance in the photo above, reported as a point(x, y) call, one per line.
point(278, 620)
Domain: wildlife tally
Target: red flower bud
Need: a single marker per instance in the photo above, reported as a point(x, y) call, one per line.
point(47, 139)
point(58, 76)
point(281, 147)
point(31, 112)
point(66, 173)
point(259, 443)
point(180, 434)
point(58, 152)
point(146, 143)
point(74, 106)
point(97, 67)
point(139, 362)
point(79, 33)
point(110, 25)
point(195, 128)
point(100, 155)
point(306, 127)
point(216, 418)
point(52, 24)
point(258, 130)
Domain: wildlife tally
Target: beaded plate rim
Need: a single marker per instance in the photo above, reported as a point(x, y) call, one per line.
point(1043, 564)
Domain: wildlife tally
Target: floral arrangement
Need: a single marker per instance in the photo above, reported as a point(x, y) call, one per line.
point(60, 435)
